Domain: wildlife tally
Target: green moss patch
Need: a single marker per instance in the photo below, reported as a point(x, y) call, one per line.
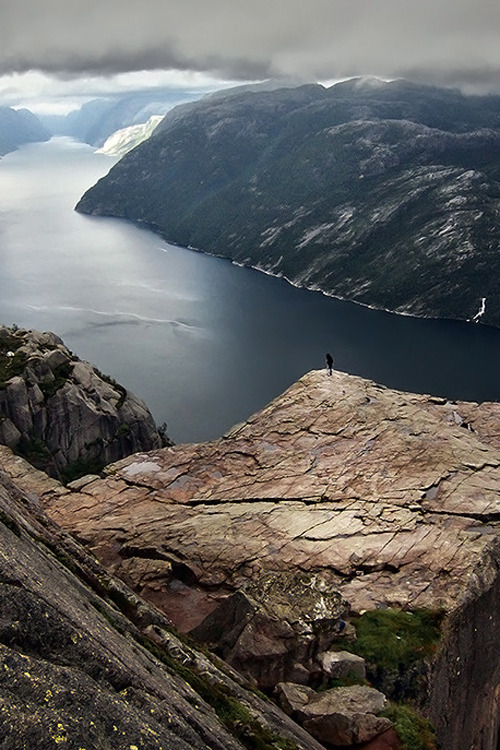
point(414, 731)
point(396, 639)
point(398, 647)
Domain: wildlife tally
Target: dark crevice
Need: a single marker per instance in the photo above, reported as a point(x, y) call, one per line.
point(183, 573)
point(145, 553)
point(483, 517)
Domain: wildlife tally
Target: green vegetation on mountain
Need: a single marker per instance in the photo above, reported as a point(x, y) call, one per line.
point(414, 730)
point(386, 194)
point(398, 646)
point(395, 639)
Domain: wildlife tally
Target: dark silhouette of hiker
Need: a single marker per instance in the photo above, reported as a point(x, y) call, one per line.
point(329, 363)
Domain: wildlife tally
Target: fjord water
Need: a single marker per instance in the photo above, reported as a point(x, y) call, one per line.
point(204, 342)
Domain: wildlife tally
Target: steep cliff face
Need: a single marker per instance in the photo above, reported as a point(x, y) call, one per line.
point(87, 664)
point(382, 498)
point(387, 194)
point(467, 671)
point(124, 140)
point(60, 412)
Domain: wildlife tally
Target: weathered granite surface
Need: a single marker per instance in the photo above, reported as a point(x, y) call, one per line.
point(60, 412)
point(391, 498)
point(390, 495)
point(85, 663)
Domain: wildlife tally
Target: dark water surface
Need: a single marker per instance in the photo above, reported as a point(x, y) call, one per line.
point(204, 342)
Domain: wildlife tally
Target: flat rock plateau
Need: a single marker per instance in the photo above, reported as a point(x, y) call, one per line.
point(339, 486)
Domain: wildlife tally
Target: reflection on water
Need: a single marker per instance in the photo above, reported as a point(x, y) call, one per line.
point(204, 342)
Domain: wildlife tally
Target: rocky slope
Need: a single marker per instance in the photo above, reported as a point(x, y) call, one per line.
point(64, 415)
point(87, 664)
point(125, 139)
point(341, 493)
point(18, 126)
point(386, 194)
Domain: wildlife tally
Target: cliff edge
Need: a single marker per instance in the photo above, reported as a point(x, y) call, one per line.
point(375, 497)
point(61, 413)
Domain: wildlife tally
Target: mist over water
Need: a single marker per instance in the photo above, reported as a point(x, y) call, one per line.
point(204, 342)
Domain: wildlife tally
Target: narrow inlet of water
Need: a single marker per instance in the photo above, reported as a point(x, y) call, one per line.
point(204, 342)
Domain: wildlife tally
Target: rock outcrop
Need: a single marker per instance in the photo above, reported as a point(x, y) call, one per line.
point(125, 139)
point(274, 629)
point(391, 499)
point(88, 664)
point(61, 413)
point(392, 496)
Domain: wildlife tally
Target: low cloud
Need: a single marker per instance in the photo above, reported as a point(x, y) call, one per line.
point(442, 41)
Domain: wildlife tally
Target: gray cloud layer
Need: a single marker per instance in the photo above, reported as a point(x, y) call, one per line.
point(444, 41)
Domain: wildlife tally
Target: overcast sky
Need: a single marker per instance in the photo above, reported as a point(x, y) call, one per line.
point(87, 43)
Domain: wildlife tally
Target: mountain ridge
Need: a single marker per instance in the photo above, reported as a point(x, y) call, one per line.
point(386, 195)
point(19, 126)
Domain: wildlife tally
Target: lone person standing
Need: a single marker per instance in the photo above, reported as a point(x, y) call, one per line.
point(329, 363)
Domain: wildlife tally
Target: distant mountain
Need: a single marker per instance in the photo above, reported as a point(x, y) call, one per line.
point(383, 193)
point(18, 126)
point(95, 121)
point(125, 139)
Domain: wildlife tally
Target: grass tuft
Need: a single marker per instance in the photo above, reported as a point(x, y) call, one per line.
point(396, 639)
point(415, 731)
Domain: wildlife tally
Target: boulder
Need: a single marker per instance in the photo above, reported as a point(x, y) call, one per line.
point(57, 357)
point(341, 716)
point(292, 697)
point(340, 665)
point(388, 740)
point(9, 434)
point(274, 629)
